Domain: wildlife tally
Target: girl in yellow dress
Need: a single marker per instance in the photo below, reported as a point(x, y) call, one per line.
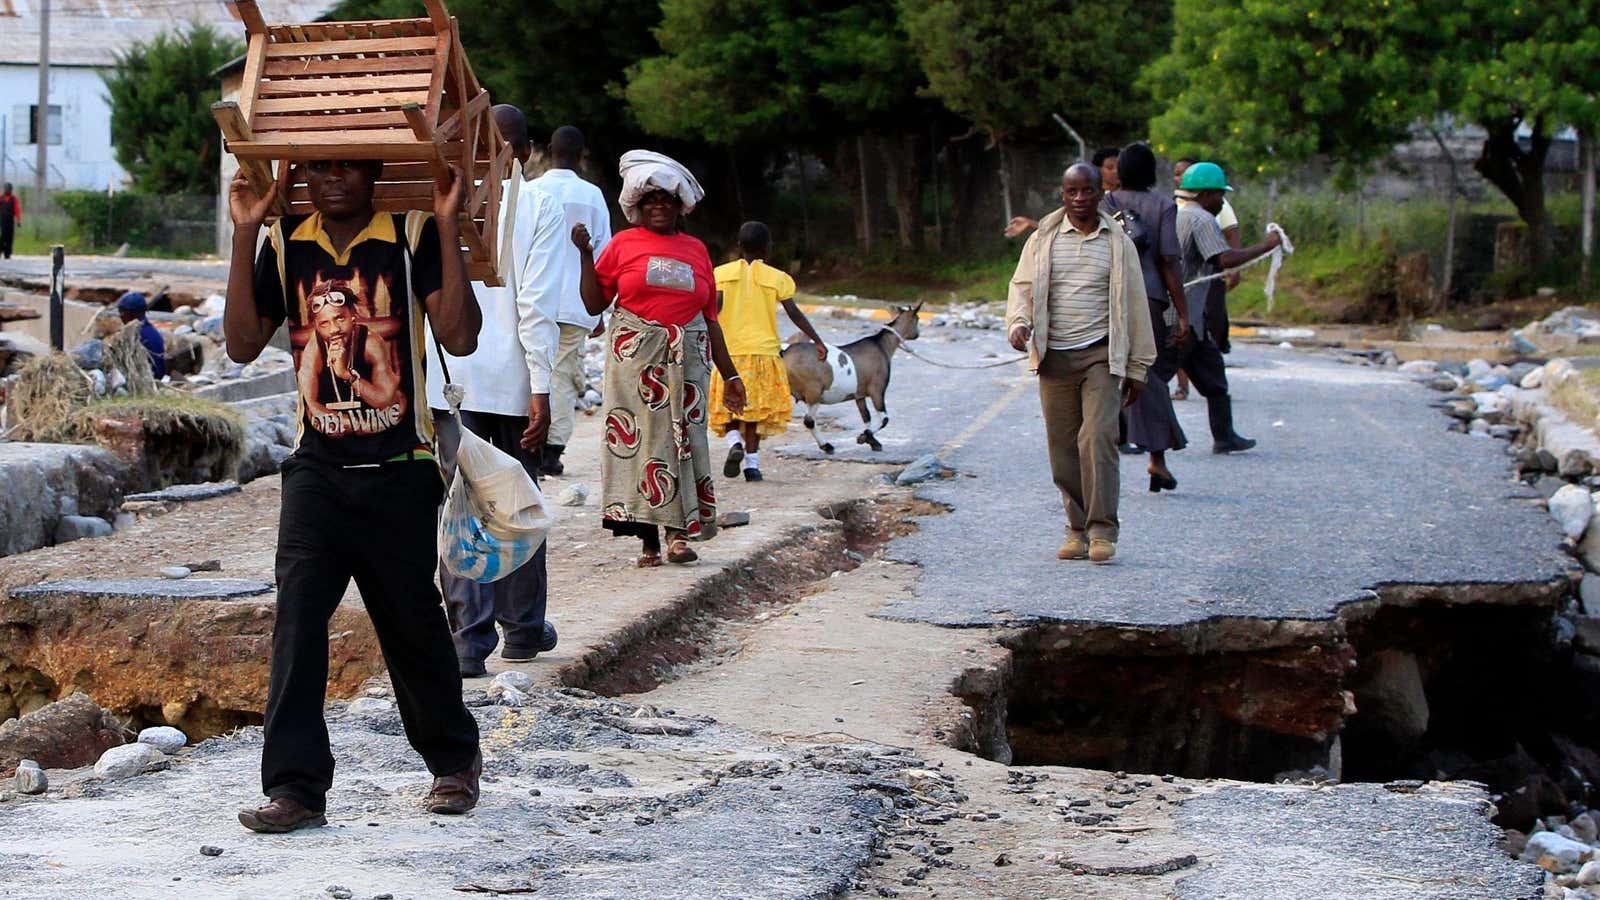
point(750, 292)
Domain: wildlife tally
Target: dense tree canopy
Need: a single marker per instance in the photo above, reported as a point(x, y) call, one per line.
point(161, 94)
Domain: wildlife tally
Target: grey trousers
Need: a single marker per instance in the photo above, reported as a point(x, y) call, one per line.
point(1081, 400)
point(566, 383)
point(516, 601)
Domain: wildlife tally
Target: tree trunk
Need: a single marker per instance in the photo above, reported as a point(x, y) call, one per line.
point(847, 168)
point(1519, 175)
point(1447, 277)
point(866, 202)
point(905, 173)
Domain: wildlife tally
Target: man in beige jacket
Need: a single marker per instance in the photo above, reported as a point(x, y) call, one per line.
point(1077, 306)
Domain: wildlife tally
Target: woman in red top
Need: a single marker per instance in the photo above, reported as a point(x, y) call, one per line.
point(656, 468)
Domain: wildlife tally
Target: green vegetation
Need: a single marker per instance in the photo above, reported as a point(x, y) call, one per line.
point(161, 94)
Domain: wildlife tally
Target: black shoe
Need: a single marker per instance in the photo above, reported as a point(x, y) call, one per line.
point(730, 468)
point(523, 654)
point(1235, 444)
point(1159, 483)
point(550, 459)
point(752, 475)
point(473, 668)
point(1129, 449)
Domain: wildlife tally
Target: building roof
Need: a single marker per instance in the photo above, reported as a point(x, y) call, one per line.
point(92, 32)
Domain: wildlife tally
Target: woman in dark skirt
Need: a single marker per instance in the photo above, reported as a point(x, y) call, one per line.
point(1152, 220)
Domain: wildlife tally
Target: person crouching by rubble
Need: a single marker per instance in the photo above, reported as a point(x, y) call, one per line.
point(132, 307)
point(1077, 306)
point(361, 493)
point(749, 293)
point(661, 342)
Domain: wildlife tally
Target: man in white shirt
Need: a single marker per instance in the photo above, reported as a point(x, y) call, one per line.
point(507, 409)
point(582, 203)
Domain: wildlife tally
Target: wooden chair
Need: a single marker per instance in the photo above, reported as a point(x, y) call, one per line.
point(396, 90)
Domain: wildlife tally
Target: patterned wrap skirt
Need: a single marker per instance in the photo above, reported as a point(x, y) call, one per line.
point(767, 401)
point(655, 468)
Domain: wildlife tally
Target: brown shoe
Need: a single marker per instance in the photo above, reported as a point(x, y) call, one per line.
point(281, 815)
point(455, 794)
point(1101, 551)
point(1076, 546)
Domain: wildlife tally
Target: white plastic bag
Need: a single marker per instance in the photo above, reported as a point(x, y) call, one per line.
point(495, 517)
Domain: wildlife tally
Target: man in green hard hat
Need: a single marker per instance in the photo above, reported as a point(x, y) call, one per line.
point(1204, 251)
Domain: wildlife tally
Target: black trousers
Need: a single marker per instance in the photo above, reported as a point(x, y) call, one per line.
point(376, 525)
point(8, 235)
point(516, 601)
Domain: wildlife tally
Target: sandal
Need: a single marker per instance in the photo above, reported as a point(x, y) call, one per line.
point(648, 561)
point(678, 552)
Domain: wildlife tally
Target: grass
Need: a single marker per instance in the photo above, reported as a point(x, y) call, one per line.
point(1579, 398)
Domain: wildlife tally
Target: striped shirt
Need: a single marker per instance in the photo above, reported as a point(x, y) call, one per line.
point(1080, 288)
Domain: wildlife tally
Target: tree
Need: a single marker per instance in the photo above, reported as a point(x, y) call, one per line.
point(1273, 83)
point(1006, 65)
point(161, 94)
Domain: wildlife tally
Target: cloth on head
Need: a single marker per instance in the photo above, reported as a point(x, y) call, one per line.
point(644, 171)
point(133, 302)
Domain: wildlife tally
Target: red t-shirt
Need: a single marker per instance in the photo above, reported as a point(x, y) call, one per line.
point(666, 279)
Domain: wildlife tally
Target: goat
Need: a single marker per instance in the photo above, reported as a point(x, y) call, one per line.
point(856, 371)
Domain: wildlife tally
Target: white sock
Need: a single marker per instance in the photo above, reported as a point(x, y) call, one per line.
point(752, 460)
point(735, 439)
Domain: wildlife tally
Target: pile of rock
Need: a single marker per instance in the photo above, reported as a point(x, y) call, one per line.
point(1567, 851)
point(268, 441)
point(969, 315)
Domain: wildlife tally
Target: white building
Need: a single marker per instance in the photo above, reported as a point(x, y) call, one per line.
point(85, 36)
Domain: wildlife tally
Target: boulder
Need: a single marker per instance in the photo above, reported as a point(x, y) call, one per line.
point(1572, 507)
point(91, 354)
point(44, 482)
point(1393, 695)
point(1420, 367)
point(1554, 853)
point(165, 738)
point(923, 469)
point(129, 760)
point(73, 528)
point(30, 779)
point(65, 734)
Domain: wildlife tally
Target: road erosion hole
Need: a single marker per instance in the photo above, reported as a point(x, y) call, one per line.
point(1489, 692)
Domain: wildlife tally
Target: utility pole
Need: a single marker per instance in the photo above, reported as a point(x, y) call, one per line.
point(41, 121)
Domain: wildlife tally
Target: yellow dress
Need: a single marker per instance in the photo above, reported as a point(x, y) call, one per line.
point(751, 292)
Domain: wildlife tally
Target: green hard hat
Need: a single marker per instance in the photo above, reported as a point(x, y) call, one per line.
point(1204, 176)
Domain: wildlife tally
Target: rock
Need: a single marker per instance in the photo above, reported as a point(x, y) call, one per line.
point(505, 695)
point(30, 779)
point(165, 738)
point(1463, 409)
point(369, 706)
point(65, 734)
point(1521, 370)
point(340, 892)
point(73, 528)
point(128, 760)
point(1491, 382)
point(1477, 369)
point(1554, 853)
point(210, 326)
point(186, 354)
point(209, 850)
point(1491, 405)
point(1420, 367)
point(176, 573)
point(522, 681)
point(91, 354)
point(575, 494)
point(1583, 828)
point(1558, 370)
point(1572, 507)
point(1392, 694)
point(1444, 381)
point(733, 519)
point(1533, 380)
point(1480, 427)
point(923, 469)
point(1589, 594)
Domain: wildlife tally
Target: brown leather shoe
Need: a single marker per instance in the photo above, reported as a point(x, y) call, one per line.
point(281, 815)
point(1076, 546)
point(1102, 551)
point(455, 794)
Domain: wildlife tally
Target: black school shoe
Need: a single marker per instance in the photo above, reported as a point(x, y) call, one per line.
point(522, 654)
point(753, 475)
point(550, 459)
point(730, 468)
point(473, 668)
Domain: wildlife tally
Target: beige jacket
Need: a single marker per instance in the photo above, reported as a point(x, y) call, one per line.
point(1132, 340)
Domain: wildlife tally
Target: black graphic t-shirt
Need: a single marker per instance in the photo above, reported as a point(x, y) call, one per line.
point(356, 330)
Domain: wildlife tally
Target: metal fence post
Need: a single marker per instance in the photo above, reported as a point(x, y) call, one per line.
point(58, 303)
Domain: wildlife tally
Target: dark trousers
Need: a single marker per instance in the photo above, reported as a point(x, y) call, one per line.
point(1202, 359)
point(8, 234)
point(376, 525)
point(516, 601)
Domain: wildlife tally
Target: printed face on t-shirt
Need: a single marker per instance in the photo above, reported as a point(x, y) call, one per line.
point(346, 354)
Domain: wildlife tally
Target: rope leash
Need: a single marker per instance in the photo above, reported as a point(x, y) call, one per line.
point(906, 346)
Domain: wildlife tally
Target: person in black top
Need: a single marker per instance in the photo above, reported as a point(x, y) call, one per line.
point(361, 493)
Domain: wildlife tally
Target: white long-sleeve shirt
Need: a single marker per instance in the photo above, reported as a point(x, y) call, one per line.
point(517, 344)
point(582, 202)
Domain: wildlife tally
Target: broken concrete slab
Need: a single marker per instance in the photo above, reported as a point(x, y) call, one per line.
point(147, 588)
point(1348, 842)
point(44, 482)
point(187, 493)
point(615, 814)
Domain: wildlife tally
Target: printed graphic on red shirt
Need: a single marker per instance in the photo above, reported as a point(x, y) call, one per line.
point(346, 348)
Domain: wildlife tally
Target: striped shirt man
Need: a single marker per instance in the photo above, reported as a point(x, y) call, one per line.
point(1080, 288)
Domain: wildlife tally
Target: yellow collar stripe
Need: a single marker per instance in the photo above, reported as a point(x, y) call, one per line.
point(381, 228)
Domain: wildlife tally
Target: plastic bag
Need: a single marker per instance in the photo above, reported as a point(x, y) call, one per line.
point(495, 518)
